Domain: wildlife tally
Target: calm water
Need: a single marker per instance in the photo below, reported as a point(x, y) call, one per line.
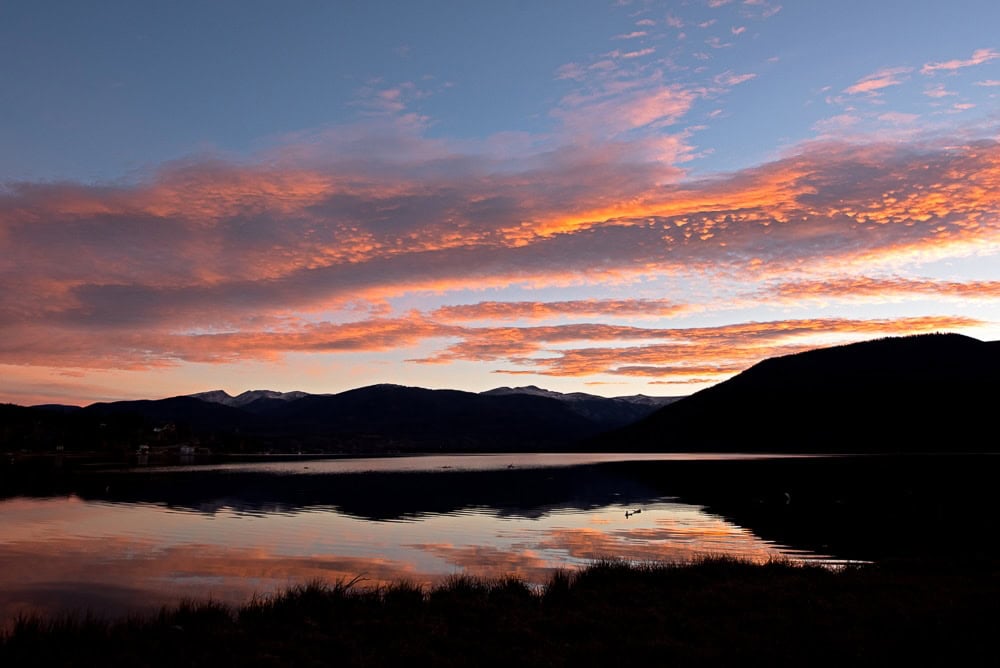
point(138, 540)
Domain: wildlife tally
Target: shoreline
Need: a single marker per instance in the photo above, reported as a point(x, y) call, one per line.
point(718, 611)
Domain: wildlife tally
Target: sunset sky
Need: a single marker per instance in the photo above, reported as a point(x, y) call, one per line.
point(609, 197)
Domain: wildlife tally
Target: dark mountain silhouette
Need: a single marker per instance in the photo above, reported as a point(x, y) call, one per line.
point(929, 393)
point(374, 419)
point(607, 413)
point(195, 413)
point(926, 393)
point(393, 417)
point(57, 408)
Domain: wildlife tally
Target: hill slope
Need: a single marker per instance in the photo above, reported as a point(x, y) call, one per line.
point(927, 393)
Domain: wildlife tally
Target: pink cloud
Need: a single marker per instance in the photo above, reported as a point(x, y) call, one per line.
point(769, 10)
point(376, 100)
point(979, 56)
point(571, 71)
point(639, 53)
point(836, 124)
point(938, 91)
point(632, 35)
point(730, 78)
point(616, 111)
point(898, 118)
point(876, 81)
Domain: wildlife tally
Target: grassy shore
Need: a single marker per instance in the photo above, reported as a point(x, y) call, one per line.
point(714, 612)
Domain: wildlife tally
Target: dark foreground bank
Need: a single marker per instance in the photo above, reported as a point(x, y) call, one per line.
point(716, 612)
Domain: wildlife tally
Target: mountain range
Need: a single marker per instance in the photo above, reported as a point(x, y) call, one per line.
point(936, 392)
point(375, 419)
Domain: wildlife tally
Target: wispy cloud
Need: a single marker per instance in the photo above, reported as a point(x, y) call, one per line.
point(730, 78)
point(638, 53)
point(631, 35)
point(617, 109)
point(979, 56)
point(876, 81)
point(837, 124)
point(376, 98)
point(898, 118)
point(938, 91)
point(767, 9)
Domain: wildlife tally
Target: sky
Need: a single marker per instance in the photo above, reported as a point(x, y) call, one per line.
point(608, 197)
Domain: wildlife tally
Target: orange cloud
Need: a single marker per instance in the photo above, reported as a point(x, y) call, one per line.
point(150, 349)
point(864, 286)
point(680, 353)
point(578, 308)
point(672, 541)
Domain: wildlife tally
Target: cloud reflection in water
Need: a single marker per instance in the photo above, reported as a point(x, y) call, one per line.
point(59, 553)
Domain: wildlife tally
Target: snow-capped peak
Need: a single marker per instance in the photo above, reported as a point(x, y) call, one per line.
point(223, 397)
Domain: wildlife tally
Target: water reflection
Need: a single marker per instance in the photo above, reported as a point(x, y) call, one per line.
point(116, 557)
point(481, 462)
point(405, 488)
point(120, 541)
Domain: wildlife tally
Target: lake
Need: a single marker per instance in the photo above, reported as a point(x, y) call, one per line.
point(118, 541)
point(138, 539)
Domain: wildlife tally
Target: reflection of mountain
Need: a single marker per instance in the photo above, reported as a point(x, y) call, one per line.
point(931, 393)
point(852, 507)
point(377, 495)
point(867, 507)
